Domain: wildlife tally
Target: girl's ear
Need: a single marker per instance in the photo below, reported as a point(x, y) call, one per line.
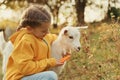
point(65, 32)
point(29, 28)
point(82, 27)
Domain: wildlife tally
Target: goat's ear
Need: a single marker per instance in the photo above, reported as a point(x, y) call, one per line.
point(65, 32)
point(82, 27)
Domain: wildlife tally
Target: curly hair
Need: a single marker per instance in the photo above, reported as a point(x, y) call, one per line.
point(33, 16)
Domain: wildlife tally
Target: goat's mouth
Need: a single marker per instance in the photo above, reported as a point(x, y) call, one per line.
point(77, 49)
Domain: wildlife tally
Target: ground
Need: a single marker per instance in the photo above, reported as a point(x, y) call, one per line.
point(99, 58)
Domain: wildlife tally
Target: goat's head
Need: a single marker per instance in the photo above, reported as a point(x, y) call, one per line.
point(71, 37)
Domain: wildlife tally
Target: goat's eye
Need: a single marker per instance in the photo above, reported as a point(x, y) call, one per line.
point(71, 37)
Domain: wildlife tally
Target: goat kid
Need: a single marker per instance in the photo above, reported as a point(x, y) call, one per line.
point(68, 40)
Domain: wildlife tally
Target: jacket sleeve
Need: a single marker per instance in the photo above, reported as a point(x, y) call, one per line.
point(23, 57)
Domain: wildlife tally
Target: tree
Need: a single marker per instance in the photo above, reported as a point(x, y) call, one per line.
point(106, 11)
point(112, 10)
point(80, 8)
point(54, 6)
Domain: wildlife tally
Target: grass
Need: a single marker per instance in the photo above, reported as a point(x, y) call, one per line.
point(1, 68)
point(99, 58)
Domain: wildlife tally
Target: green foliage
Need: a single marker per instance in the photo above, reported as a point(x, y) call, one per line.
point(114, 12)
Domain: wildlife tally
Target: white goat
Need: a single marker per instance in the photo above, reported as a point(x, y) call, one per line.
point(5, 49)
point(68, 39)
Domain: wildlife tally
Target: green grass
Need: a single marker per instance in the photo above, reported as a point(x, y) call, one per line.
point(1, 68)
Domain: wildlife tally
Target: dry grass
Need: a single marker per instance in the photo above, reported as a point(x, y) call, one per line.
point(99, 58)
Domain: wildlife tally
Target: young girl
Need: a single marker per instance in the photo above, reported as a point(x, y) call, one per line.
point(30, 58)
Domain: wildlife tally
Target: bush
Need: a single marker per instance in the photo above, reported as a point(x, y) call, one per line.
point(114, 12)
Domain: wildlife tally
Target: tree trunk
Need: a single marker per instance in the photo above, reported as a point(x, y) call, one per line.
point(80, 7)
point(55, 15)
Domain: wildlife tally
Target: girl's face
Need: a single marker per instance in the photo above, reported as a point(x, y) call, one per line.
point(42, 30)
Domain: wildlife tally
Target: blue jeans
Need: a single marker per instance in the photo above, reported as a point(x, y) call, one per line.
point(47, 75)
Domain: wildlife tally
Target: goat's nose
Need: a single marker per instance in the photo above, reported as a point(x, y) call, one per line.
point(78, 48)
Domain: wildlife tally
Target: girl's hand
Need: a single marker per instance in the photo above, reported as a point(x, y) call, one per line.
point(58, 63)
point(65, 58)
point(67, 53)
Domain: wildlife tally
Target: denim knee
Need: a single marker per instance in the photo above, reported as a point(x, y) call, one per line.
point(51, 75)
point(47, 75)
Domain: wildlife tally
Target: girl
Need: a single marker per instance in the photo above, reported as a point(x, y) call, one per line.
point(30, 57)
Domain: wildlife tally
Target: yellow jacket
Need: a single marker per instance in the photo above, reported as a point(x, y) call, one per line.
point(30, 55)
